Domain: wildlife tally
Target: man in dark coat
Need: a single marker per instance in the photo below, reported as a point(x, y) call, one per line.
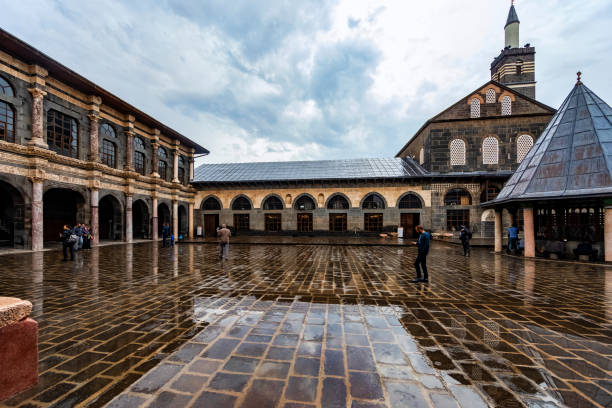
point(464, 236)
point(421, 259)
point(67, 242)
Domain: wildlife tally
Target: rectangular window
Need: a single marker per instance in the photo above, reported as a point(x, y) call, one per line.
point(181, 175)
point(373, 222)
point(162, 169)
point(457, 218)
point(139, 162)
point(337, 222)
point(304, 222)
point(273, 222)
point(108, 153)
point(241, 222)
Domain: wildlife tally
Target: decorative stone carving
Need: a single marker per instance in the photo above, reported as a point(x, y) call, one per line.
point(37, 118)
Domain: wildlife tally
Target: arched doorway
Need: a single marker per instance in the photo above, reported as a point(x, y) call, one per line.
point(60, 207)
point(182, 222)
point(110, 225)
point(11, 216)
point(140, 219)
point(163, 217)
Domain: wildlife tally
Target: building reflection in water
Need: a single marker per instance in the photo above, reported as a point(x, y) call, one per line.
point(529, 280)
point(37, 296)
point(94, 264)
point(175, 256)
point(154, 256)
point(129, 263)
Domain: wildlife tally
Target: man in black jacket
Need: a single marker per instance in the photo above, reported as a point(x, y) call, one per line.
point(67, 242)
point(421, 259)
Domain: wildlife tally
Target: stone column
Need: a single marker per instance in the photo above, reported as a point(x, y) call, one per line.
point(128, 219)
point(191, 164)
point(37, 214)
point(94, 156)
point(175, 178)
point(191, 206)
point(129, 151)
point(175, 228)
point(154, 172)
point(37, 119)
point(608, 234)
point(499, 237)
point(95, 239)
point(154, 220)
point(529, 233)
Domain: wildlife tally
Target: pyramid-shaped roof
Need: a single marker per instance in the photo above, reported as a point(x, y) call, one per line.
point(512, 16)
point(573, 156)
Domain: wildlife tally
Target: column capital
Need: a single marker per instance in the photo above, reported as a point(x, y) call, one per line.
point(93, 116)
point(36, 179)
point(37, 92)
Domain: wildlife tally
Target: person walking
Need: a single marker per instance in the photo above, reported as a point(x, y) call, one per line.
point(78, 231)
point(68, 242)
point(464, 236)
point(513, 235)
point(224, 235)
point(165, 234)
point(421, 259)
point(86, 237)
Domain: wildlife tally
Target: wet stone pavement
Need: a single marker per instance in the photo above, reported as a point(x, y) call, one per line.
point(313, 326)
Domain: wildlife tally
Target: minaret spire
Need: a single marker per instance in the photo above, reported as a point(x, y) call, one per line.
point(512, 28)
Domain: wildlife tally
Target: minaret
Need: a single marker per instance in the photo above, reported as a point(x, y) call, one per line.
point(515, 66)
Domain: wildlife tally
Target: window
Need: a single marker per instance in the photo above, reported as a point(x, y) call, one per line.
point(457, 196)
point(181, 170)
point(519, 67)
point(108, 153)
point(490, 95)
point(373, 222)
point(304, 222)
point(585, 224)
point(241, 204)
point(139, 157)
point(457, 152)
point(7, 122)
point(107, 130)
point(273, 203)
point(475, 108)
point(162, 164)
point(6, 88)
point(305, 203)
point(272, 222)
point(337, 222)
point(457, 218)
point(338, 202)
point(241, 222)
point(373, 202)
point(422, 156)
point(211, 204)
point(490, 151)
point(489, 193)
point(506, 104)
point(410, 201)
point(62, 134)
point(524, 143)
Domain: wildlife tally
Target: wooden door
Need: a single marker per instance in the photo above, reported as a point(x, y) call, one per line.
point(408, 222)
point(304, 222)
point(211, 222)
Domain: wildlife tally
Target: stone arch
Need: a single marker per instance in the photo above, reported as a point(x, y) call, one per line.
point(141, 215)
point(411, 193)
point(270, 196)
point(210, 197)
point(302, 195)
point(110, 216)
point(457, 188)
point(246, 197)
point(61, 206)
point(374, 193)
point(164, 215)
point(12, 216)
point(331, 197)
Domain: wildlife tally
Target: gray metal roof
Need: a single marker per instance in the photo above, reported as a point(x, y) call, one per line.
point(572, 158)
point(390, 168)
point(512, 16)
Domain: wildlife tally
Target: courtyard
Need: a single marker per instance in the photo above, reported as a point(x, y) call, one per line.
point(313, 326)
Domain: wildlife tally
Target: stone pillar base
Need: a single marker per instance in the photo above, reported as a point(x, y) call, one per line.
point(37, 142)
point(18, 357)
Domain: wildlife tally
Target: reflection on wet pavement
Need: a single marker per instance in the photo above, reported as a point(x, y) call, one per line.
point(311, 326)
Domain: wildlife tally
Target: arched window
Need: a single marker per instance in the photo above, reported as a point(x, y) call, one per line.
point(62, 134)
point(139, 156)
point(107, 130)
point(491, 95)
point(6, 88)
point(273, 203)
point(241, 204)
point(506, 103)
point(373, 202)
point(490, 150)
point(181, 169)
point(475, 108)
point(524, 143)
point(457, 152)
point(305, 203)
point(7, 122)
point(457, 196)
point(338, 202)
point(108, 155)
point(410, 201)
point(422, 156)
point(211, 204)
point(162, 164)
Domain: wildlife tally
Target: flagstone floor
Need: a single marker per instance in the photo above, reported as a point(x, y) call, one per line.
point(313, 326)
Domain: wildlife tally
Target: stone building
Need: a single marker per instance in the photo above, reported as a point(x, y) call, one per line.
point(458, 159)
point(72, 152)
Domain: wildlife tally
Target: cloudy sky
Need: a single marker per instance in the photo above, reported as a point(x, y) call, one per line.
point(263, 80)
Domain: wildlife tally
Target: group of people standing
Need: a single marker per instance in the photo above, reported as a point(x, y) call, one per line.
point(75, 239)
point(167, 236)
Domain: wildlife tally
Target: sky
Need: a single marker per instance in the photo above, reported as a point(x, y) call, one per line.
point(262, 80)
